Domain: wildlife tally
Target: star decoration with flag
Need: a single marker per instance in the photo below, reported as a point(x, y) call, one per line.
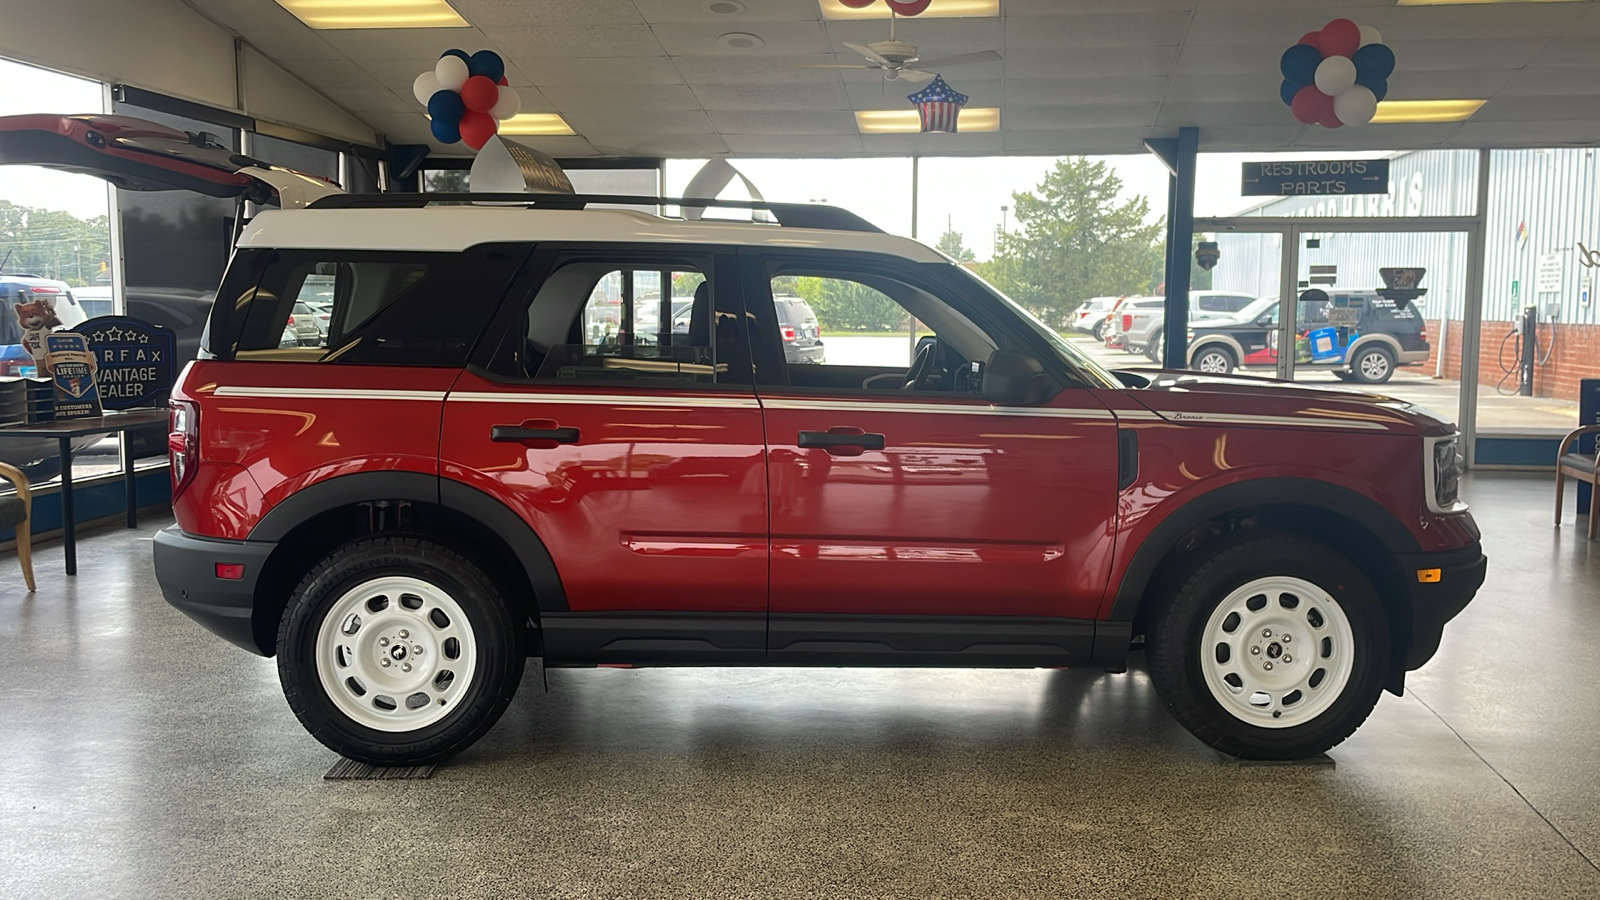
point(940, 105)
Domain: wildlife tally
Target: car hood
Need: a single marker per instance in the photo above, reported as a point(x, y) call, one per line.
point(1245, 402)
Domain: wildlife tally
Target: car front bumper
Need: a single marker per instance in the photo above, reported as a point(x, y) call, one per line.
point(1434, 603)
point(186, 569)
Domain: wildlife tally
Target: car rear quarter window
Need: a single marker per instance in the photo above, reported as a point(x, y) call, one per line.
point(413, 308)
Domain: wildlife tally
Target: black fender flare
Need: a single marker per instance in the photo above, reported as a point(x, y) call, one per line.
point(1341, 501)
point(364, 487)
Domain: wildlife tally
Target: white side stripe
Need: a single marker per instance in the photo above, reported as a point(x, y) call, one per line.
point(1300, 421)
point(655, 400)
point(953, 409)
point(325, 393)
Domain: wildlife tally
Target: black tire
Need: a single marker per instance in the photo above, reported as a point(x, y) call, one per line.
point(1343, 375)
point(1372, 364)
point(1099, 331)
point(496, 657)
point(1177, 648)
point(43, 470)
point(1152, 350)
point(1219, 358)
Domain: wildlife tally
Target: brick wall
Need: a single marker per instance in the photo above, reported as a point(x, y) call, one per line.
point(1575, 355)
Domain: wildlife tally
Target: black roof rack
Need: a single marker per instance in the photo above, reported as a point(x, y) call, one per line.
point(789, 215)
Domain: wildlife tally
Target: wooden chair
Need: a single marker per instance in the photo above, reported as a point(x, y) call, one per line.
point(1582, 466)
point(15, 511)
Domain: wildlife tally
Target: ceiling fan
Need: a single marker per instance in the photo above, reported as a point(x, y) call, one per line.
point(899, 60)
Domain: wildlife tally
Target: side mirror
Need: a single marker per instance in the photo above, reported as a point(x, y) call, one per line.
point(1011, 379)
point(1264, 319)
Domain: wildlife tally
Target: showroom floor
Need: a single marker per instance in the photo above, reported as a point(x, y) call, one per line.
point(144, 758)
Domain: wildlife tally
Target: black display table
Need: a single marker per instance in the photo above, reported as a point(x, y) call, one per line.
point(64, 430)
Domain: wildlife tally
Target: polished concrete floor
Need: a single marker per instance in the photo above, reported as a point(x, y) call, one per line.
point(139, 757)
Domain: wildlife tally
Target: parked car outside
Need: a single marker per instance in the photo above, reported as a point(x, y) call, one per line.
point(1142, 327)
point(802, 335)
point(1383, 336)
point(1090, 317)
point(1121, 316)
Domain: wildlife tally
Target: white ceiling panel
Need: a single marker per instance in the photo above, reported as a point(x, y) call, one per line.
point(650, 77)
point(792, 122)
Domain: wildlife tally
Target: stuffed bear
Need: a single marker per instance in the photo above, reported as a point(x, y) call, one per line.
point(37, 318)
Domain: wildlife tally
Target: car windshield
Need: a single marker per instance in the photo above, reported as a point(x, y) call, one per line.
point(1090, 371)
point(1257, 308)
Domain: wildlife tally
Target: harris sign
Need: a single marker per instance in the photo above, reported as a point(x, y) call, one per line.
point(136, 361)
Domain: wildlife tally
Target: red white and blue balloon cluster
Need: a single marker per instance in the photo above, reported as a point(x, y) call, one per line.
point(466, 96)
point(1336, 76)
point(899, 7)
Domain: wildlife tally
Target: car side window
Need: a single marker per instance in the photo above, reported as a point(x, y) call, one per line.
point(609, 317)
point(841, 330)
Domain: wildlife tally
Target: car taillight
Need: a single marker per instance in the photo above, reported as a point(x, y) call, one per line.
point(42, 290)
point(1127, 323)
point(1422, 332)
point(788, 333)
point(183, 443)
point(290, 323)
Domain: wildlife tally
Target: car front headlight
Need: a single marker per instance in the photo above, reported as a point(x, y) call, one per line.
point(1444, 465)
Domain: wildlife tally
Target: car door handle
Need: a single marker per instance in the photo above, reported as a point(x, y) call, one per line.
point(840, 438)
point(516, 434)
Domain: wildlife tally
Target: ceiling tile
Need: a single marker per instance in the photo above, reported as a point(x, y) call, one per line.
point(779, 38)
point(1236, 59)
point(423, 45)
point(1490, 21)
point(1082, 91)
point(1084, 62)
point(1552, 133)
point(371, 100)
point(984, 143)
point(1456, 54)
point(1080, 141)
point(934, 37)
point(634, 143)
point(794, 144)
point(1538, 109)
point(1549, 82)
point(876, 93)
point(1469, 84)
point(623, 98)
point(1034, 118)
point(757, 70)
point(1266, 112)
point(659, 12)
point(588, 71)
point(337, 73)
point(290, 44)
point(592, 120)
point(245, 16)
point(1019, 8)
point(487, 13)
point(584, 41)
point(1100, 30)
point(787, 122)
point(1569, 53)
point(772, 96)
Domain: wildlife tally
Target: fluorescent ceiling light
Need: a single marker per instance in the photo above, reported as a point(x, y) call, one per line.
point(1426, 110)
point(938, 9)
point(1475, 2)
point(331, 14)
point(908, 121)
point(536, 123)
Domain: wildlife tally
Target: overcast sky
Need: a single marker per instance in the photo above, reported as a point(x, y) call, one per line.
point(966, 192)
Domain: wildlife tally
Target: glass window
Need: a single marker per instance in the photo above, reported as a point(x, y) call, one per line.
point(605, 320)
point(363, 307)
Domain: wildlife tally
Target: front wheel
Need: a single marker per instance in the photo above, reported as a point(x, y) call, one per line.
point(1099, 330)
point(1276, 648)
point(1213, 361)
point(397, 651)
point(1152, 350)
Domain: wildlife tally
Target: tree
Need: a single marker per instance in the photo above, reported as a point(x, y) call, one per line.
point(952, 245)
point(843, 305)
point(53, 244)
point(1075, 241)
point(1199, 279)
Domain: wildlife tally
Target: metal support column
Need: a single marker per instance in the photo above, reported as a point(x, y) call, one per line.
point(1180, 237)
point(1472, 314)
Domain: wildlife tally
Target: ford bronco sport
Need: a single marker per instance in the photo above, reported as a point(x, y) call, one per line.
point(461, 479)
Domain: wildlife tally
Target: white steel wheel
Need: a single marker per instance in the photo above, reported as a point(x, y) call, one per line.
point(1277, 652)
point(396, 653)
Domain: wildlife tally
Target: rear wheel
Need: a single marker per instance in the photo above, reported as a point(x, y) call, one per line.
point(1373, 364)
point(1213, 361)
point(1153, 349)
point(1276, 648)
point(1099, 331)
point(397, 651)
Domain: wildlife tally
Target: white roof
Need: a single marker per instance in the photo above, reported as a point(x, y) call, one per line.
point(458, 227)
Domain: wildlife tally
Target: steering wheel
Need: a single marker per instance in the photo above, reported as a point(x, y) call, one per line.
point(921, 367)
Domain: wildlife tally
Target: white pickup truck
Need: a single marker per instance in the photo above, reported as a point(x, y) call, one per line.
point(1140, 324)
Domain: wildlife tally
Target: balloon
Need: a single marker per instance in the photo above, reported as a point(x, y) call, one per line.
point(477, 128)
point(1379, 89)
point(1335, 75)
point(1299, 63)
point(1331, 120)
point(1310, 105)
point(1287, 90)
point(858, 4)
point(502, 82)
point(1370, 35)
point(487, 63)
point(479, 92)
point(460, 54)
point(451, 72)
point(908, 7)
point(1374, 62)
point(1311, 39)
point(1356, 106)
point(446, 106)
point(1340, 37)
point(445, 132)
point(426, 85)
point(507, 106)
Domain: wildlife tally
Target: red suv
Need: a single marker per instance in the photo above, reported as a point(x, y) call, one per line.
point(516, 443)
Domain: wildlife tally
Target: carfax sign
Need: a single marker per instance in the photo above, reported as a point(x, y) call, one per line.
point(135, 360)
